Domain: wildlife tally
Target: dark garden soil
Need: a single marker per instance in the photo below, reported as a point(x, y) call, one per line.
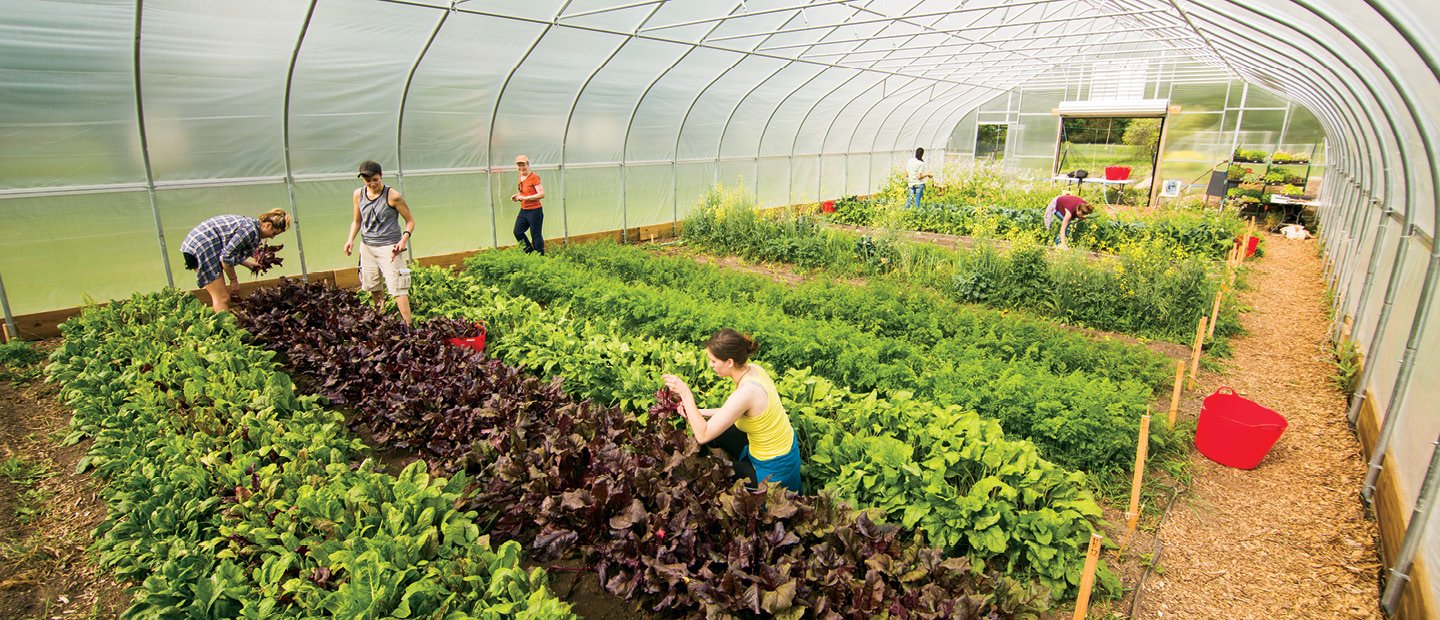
point(46, 519)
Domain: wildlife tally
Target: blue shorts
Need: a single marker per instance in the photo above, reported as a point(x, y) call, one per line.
point(783, 470)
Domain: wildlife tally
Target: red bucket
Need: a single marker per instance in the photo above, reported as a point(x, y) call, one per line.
point(828, 206)
point(477, 343)
point(1117, 173)
point(1235, 431)
point(1250, 247)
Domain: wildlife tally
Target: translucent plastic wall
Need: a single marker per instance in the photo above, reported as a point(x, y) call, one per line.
point(113, 149)
point(123, 124)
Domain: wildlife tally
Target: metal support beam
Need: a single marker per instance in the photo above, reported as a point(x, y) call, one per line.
point(145, 148)
point(9, 317)
point(400, 119)
point(495, 114)
point(285, 132)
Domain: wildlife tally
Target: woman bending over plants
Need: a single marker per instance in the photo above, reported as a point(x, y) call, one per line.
point(751, 426)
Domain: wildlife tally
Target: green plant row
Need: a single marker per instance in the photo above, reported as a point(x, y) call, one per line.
point(1143, 291)
point(940, 328)
point(1077, 421)
point(942, 470)
point(230, 496)
point(1202, 234)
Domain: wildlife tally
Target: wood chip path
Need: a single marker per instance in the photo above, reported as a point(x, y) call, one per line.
point(1290, 539)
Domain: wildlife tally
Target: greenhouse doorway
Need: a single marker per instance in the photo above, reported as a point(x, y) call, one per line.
point(1097, 143)
point(1117, 142)
point(990, 140)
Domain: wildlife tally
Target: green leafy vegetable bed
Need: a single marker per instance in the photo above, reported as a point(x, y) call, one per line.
point(1078, 421)
point(232, 497)
point(1145, 291)
point(945, 471)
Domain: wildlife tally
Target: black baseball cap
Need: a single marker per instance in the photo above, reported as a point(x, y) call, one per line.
point(369, 168)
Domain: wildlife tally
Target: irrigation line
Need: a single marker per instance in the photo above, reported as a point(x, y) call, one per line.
point(1154, 552)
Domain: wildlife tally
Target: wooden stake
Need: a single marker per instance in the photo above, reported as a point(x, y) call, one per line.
point(1214, 314)
point(1141, 449)
point(1087, 579)
point(1175, 394)
point(1195, 355)
point(5, 330)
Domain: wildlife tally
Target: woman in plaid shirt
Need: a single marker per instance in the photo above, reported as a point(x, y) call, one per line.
point(218, 244)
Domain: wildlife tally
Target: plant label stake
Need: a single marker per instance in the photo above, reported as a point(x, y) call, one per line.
point(1195, 356)
point(1214, 314)
point(1087, 579)
point(1133, 516)
point(1175, 393)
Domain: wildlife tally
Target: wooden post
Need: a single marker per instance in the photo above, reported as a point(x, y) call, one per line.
point(1087, 578)
point(1195, 355)
point(1141, 448)
point(1214, 314)
point(5, 331)
point(1175, 394)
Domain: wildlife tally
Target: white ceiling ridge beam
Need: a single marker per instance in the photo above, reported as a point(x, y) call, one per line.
point(1065, 55)
point(1083, 57)
point(797, 7)
point(993, 41)
point(965, 29)
point(680, 42)
point(1082, 54)
point(1019, 71)
point(609, 9)
point(1068, 46)
point(891, 19)
point(1053, 84)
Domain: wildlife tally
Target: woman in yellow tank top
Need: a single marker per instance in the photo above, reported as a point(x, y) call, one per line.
point(751, 426)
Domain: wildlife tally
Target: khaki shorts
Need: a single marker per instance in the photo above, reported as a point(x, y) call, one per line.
point(375, 261)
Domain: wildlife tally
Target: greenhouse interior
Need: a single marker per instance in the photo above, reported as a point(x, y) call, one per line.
point(995, 309)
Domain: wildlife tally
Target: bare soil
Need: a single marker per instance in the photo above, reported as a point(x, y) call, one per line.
point(45, 570)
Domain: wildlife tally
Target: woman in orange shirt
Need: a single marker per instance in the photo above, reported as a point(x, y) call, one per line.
point(531, 217)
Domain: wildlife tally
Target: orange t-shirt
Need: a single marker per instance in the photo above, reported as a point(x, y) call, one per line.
point(527, 188)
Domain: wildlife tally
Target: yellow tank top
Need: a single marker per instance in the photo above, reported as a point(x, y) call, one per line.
point(770, 432)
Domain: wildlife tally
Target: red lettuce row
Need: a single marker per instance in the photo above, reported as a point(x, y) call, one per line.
point(660, 521)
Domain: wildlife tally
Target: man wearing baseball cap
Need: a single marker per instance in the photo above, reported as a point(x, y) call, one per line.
point(382, 242)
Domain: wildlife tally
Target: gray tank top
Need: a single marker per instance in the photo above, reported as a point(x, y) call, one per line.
point(379, 222)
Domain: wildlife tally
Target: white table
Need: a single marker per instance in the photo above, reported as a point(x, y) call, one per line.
point(1121, 183)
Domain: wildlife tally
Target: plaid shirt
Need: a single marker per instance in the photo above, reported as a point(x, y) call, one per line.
point(227, 239)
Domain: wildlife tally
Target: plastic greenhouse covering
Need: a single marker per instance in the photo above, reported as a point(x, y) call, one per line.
point(122, 124)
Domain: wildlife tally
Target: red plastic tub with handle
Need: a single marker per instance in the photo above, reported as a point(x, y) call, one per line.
point(1117, 173)
point(477, 343)
point(1236, 431)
